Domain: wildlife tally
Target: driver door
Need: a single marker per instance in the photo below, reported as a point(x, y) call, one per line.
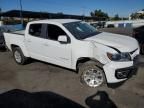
point(55, 51)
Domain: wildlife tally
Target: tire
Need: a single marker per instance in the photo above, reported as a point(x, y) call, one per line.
point(19, 56)
point(142, 48)
point(91, 75)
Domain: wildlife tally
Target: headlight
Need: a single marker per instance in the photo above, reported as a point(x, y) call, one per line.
point(119, 57)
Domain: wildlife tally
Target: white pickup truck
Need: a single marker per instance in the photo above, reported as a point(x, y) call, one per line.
point(98, 57)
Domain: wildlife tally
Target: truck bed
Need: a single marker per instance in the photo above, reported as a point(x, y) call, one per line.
point(19, 32)
point(16, 38)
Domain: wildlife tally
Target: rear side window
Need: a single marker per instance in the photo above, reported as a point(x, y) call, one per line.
point(35, 30)
point(54, 31)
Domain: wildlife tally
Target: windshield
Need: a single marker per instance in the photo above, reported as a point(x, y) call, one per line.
point(81, 30)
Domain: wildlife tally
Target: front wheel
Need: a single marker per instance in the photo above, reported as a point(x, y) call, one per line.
point(18, 56)
point(91, 75)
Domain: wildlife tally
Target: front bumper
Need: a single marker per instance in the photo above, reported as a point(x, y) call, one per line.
point(125, 72)
point(119, 71)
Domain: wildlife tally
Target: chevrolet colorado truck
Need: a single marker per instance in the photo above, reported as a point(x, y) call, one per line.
point(98, 57)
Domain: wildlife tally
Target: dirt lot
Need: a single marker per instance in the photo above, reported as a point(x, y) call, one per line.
point(39, 76)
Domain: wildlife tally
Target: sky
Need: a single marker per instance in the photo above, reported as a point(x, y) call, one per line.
point(76, 7)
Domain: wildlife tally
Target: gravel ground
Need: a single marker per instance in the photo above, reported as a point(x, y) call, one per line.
point(39, 76)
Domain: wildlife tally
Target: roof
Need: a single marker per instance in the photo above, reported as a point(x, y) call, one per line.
point(61, 21)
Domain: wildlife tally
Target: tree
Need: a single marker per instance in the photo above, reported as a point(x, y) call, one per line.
point(99, 14)
point(133, 16)
point(141, 16)
point(137, 16)
point(116, 17)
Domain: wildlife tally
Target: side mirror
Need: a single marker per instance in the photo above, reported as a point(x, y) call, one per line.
point(63, 39)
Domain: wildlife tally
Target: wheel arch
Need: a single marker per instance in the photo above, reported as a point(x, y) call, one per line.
point(22, 49)
point(82, 60)
point(13, 46)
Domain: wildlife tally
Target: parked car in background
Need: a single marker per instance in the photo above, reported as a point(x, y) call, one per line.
point(2, 41)
point(98, 24)
point(1, 37)
point(138, 33)
point(98, 57)
point(95, 25)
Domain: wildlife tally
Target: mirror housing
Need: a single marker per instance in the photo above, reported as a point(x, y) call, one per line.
point(63, 39)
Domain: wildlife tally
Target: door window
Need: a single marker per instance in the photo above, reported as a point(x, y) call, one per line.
point(54, 31)
point(35, 30)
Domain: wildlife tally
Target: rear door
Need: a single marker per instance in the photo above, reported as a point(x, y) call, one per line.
point(35, 40)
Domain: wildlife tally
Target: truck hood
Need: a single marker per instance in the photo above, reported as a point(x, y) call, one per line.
point(120, 42)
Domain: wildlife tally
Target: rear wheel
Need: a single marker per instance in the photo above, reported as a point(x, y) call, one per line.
point(91, 75)
point(18, 56)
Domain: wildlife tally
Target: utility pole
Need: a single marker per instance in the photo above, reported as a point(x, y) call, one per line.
point(21, 16)
point(0, 13)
